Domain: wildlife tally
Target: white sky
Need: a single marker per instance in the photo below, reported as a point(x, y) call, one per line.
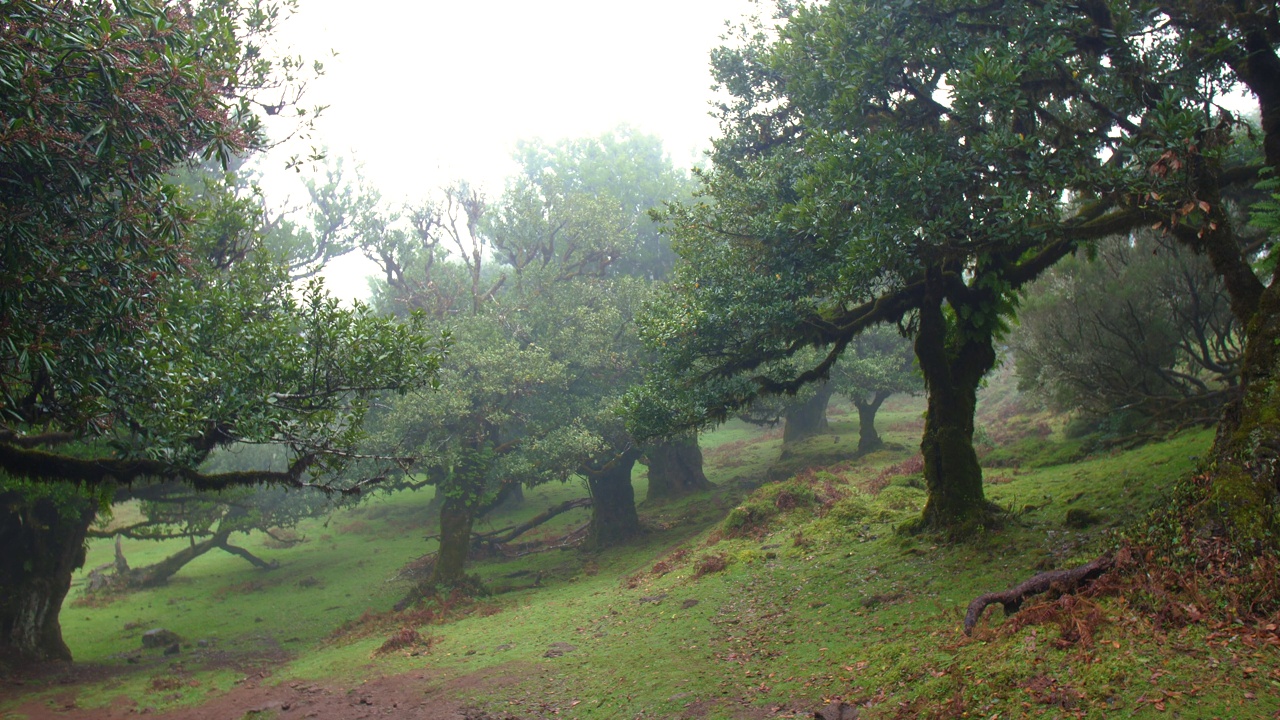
point(424, 93)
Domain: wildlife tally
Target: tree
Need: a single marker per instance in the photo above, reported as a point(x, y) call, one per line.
point(675, 467)
point(131, 347)
point(338, 209)
point(1193, 161)
point(543, 323)
point(889, 163)
point(878, 364)
point(208, 521)
point(623, 167)
point(1142, 333)
point(497, 428)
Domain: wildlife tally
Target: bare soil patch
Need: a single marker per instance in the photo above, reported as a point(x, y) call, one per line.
point(421, 694)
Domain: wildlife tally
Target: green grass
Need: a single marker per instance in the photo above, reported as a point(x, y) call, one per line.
point(821, 598)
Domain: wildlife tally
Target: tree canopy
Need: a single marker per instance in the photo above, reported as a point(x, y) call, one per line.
point(919, 164)
point(142, 322)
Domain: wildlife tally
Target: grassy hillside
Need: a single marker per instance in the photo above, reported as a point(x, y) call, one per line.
point(754, 600)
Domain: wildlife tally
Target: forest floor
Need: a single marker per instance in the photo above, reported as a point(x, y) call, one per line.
point(756, 600)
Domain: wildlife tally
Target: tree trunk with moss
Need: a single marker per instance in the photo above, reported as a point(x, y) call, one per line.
point(675, 468)
point(43, 544)
point(953, 361)
point(1245, 478)
point(808, 418)
point(464, 489)
point(613, 503)
point(868, 439)
point(457, 515)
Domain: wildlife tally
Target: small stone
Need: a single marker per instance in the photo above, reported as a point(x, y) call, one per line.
point(559, 648)
point(159, 637)
point(173, 649)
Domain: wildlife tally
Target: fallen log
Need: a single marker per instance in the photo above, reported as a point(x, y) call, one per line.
point(1011, 599)
point(507, 534)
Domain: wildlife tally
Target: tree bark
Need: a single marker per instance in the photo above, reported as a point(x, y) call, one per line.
point(250, 557)
point(613, 503)
point(1244, 485)
point(457, 515)
point(43, 544)
point(159, 573)
point(953, 362)
point(675, 468)
point(868, 439)
point(809, 418)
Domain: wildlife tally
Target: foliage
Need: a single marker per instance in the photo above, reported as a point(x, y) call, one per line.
point(878, 362)
point(1142, 327)
point(867, 176)
point(623, 169)
point(142, 325)
point(543, 326)
point(122, 319)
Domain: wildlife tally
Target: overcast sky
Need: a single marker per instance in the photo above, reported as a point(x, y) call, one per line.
point(423, 93)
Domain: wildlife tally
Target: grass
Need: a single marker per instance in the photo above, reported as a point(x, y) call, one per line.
point(808, 594)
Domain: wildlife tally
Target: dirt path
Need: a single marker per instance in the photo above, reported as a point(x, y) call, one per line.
point(416, 695)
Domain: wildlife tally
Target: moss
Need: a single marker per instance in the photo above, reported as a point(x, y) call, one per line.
point(1081, 518)
point(850, 509)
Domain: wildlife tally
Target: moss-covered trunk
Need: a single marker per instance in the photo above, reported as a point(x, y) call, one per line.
point(953, 360)
point(613, 503)
point(868, 439)
point(808, 418)
point(41, 545)
point(675, 467)
point(1245, 479)
point(456, 518)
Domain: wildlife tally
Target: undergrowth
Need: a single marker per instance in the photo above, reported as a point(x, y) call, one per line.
point(755, 599)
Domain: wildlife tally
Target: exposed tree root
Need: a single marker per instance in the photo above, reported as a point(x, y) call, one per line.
point(1060, 580)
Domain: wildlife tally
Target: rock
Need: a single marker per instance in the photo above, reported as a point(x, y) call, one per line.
point(559, 648)
point(173, 649)
point(159, 638)
point(1081, 518)
point(837, 711)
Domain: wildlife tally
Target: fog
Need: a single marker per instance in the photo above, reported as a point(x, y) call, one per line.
point(422, 94)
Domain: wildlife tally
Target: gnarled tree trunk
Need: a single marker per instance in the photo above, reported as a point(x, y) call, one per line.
point(613, 503)
point(809, 418)
point(675, 467)
point(457, 515)
point(868, 439)
point(41, 545)
point(953, 361)
point(1244, 484)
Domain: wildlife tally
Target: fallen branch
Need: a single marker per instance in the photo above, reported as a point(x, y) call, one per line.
point(507, 534)
point(1011, 599)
